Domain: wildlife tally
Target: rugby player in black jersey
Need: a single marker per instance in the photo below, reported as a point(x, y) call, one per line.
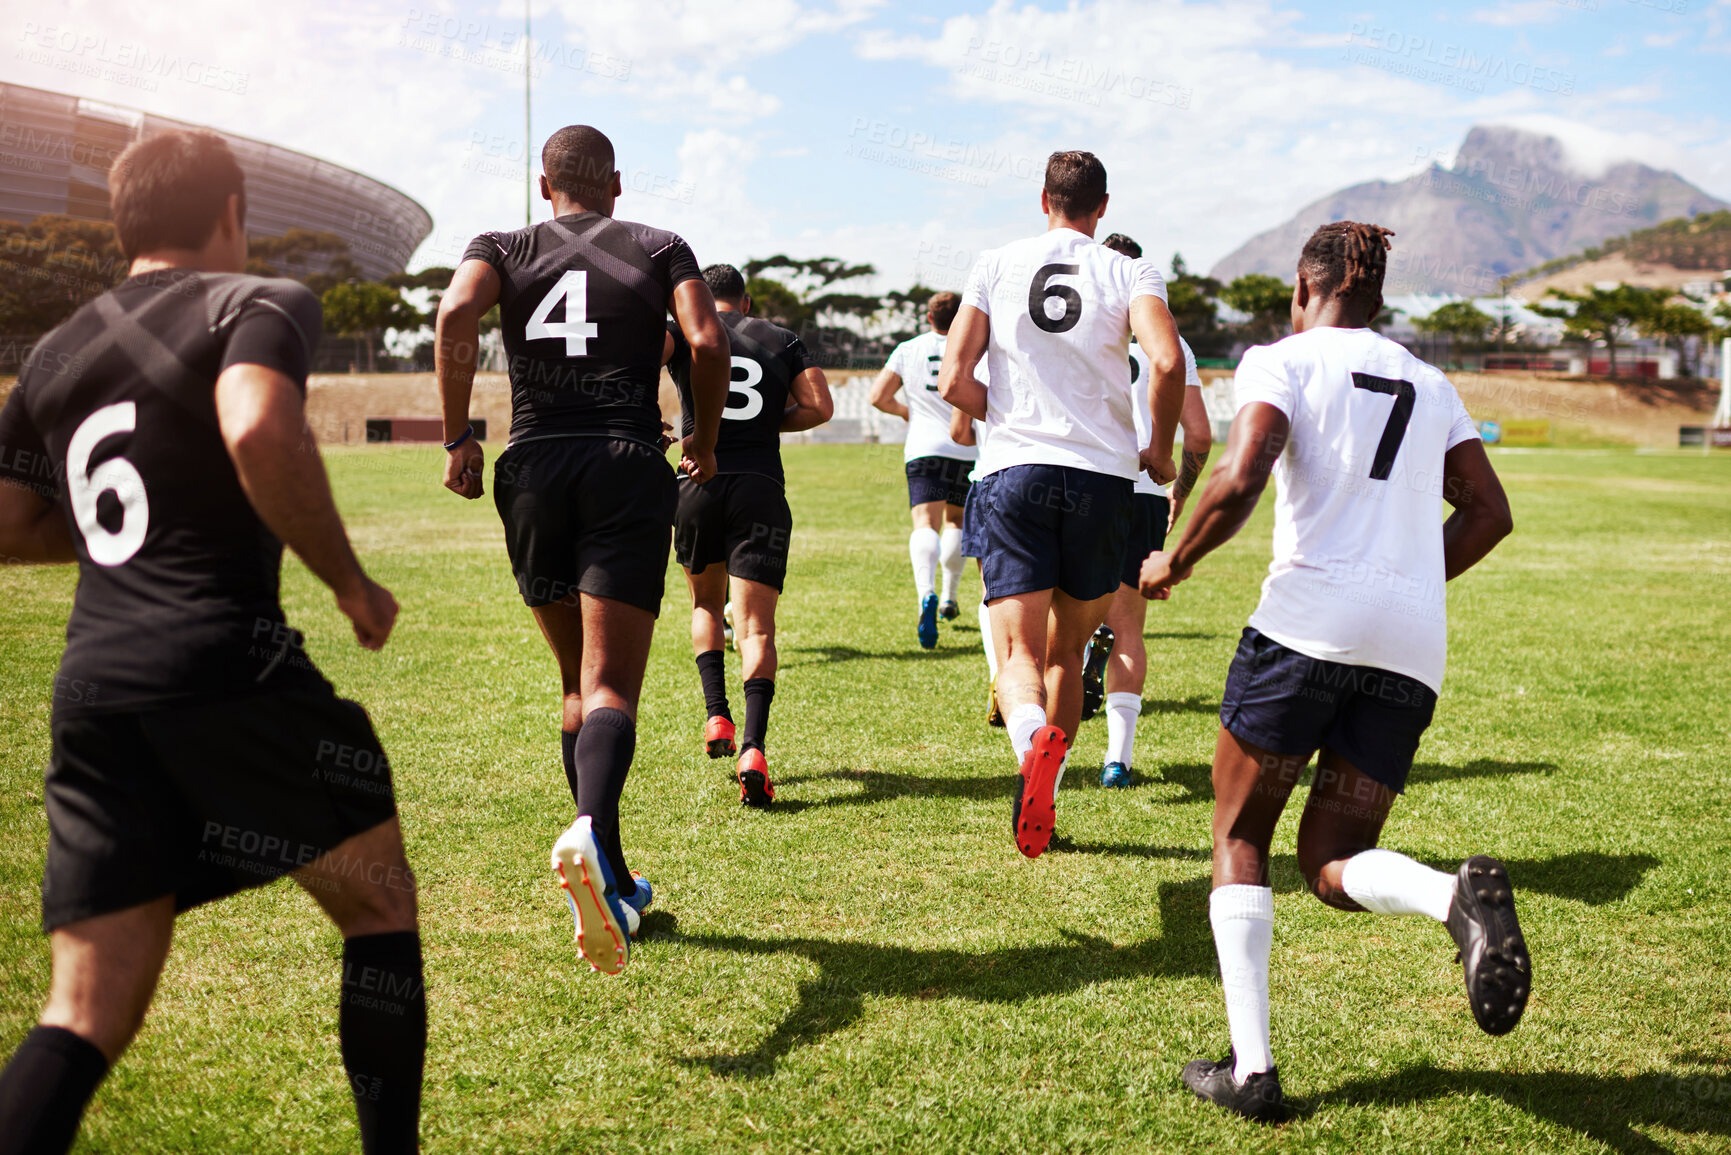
point(738, 525)
point(158, 439)
point(584, 487)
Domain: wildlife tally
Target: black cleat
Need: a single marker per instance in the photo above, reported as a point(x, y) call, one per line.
point(949, 611)
point(1493, 954)
point(1094, 661)
point(1258, 1097)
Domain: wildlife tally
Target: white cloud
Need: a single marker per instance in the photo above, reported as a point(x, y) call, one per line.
point(1518, 13)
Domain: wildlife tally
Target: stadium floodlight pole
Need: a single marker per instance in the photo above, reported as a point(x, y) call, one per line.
point(528, 162)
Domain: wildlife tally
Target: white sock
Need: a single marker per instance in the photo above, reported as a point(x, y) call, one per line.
point(923, 550)
point(950, 557)
point(1384, 882)
point(1243, 922)
point(1022, 723)
point(986, 640)
point(1122, 710)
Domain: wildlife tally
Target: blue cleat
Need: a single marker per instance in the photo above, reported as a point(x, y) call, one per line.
point(605, 923)
point(639, 901)
point(1115, 775)
point(929, 622)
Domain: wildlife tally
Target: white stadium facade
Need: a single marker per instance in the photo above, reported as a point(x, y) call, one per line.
point(55, 151)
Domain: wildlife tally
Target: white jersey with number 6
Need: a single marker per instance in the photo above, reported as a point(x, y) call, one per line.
point(1058, 356)
point(1357, 575)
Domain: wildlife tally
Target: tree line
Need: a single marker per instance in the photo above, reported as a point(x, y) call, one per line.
point(1611, 316)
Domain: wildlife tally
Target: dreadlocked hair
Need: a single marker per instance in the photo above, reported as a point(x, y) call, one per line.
point(1346, 259)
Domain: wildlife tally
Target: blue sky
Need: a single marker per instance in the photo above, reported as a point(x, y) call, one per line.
point(910, 135)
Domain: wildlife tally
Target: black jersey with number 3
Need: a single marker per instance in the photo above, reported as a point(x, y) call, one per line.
point(582, 301)
point(766, 359)
point(114, 418)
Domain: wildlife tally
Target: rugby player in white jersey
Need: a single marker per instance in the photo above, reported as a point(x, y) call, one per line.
point(937, 465)
point(1345, 653)
point(1050, 517)
point(1115, 669)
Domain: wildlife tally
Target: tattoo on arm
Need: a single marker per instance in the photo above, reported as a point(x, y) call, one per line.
point(1190, 470)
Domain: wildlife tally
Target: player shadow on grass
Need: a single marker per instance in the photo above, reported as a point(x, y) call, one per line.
point(828, 655)
point(848, 972)
point(1197, 781)
point(1603, 1108)
point(876, 786)
point(1586, 876)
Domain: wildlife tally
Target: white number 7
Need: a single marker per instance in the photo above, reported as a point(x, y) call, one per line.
point(576, 328)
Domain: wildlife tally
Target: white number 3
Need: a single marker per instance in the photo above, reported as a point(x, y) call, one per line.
point(576, 328)
point(746, 388)
point(116, 476)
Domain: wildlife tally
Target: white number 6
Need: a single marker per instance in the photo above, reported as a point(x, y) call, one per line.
point(117, 476)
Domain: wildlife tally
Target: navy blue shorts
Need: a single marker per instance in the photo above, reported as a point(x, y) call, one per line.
point(1147, 534)
point(1048, 527)
point(938, 479)
point(1290, 704)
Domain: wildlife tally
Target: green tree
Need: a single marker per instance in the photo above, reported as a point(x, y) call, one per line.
point(364, 310)
point(316, 259)
point(776, 302)
point(1460, 320)
point(1607, 315)
point(1679, 320)
point(52, 266)
point(1268, 301)
point(1193, 301)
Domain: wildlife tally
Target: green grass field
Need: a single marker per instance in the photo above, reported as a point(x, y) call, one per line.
point(872, 965)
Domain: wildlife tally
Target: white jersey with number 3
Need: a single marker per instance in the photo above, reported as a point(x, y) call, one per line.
point(1140, 370)
point(916, 362)
point(1357, 575)
point(1058, 356)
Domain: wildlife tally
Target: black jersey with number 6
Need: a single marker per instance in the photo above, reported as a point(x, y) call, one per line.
point(766, 359)
point(114, 418)
point(582, 301)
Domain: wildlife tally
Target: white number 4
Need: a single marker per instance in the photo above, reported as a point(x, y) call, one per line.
point(116, 475)
point(576, 328)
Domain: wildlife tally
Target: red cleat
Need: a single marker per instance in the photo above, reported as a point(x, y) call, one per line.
point(755, 788)
point(718, 737)
point(1036, 807)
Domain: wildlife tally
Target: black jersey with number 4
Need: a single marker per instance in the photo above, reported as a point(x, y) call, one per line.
point(582, 301)
point(114, 418)
point(766, 359)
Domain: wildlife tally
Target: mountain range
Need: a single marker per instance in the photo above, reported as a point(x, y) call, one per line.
point(1512, 199)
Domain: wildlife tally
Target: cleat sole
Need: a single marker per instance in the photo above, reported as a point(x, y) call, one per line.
point(1038, 811)
point(1499, 980)
point(601, 941)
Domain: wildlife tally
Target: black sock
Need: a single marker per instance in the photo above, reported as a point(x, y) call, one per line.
point(44, 1089)
point(712, 668)
point(604, 750)
point(759, 693)
point(568, 744)
point(383, 1020)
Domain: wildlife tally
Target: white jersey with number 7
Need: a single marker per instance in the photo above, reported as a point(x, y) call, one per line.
point(1059, 305)
point(1357, 575)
